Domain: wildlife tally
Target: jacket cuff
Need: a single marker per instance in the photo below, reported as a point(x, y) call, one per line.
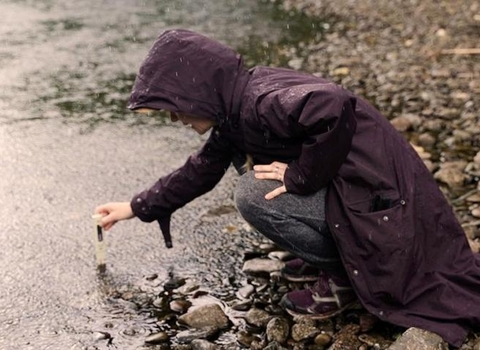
point(141, 209)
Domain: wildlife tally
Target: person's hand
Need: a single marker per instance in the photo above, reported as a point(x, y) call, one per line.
point(114, 212)
point(273, 171)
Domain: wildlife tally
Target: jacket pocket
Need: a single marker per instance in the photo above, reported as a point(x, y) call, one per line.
point(376, 202)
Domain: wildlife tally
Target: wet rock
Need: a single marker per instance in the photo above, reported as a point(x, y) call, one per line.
point(474, 198)
point(323, 339)
point(476, 212)
point(426, 140)
point(174, 283)
point(367, 322)
point(151, 277)
point(157, 338)
point(274, 346)
point(304, 328)
point(102, 335)
point(257, 317)
point(347, 338)
point(273, 309)
point(281, 255)
point(406, 122)
point(258, 266)
point(451, 173)
point(267, 247)
point(415, 338)
point(189, 335)
point(200, 344)
point(258, 344)
point(246, 338)
point(160, 303)
point(241, 305)
point(278, 330)
point(374, 341)
point(246, 291)
point(210, 315)
point(180, 305)
point(189, 287)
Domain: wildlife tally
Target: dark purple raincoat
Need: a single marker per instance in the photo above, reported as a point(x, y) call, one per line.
point(405, 252)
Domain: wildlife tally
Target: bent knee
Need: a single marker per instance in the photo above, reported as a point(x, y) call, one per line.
point(250, 195)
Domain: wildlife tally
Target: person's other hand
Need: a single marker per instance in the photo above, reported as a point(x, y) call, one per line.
point(114, 212)
point(273, 171)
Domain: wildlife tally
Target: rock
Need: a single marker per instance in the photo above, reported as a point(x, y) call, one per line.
point(246, 291)
point(242, 305)
point(278, 330)
point(189, 287)
point(151, 277)
point(258, 317)
point(102, 335)
point(274, 346)
point(304, 328)
point(180, 305)
point(421, 152)
point(367, 322)
point(419, 339)
point(341, 71)
point(474, 198)
point(476, 212)
point(347, 338)
point(200, 344)
point(174, 283)
point(451, 173)
point(426, 140)
point(474, 245)
point(157, 338)
point(210, 315)
point(323, 339)
point(160, 303)
point(296, 63)
point(476, 159)
point(245, 338)
point(258, 265)
point(191, 334)
point(476, 346)
point(406, 122)
point(283, 255)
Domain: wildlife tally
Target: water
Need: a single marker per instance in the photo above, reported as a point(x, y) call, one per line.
point(67, 144)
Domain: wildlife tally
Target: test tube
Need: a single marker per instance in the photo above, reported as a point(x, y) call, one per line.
point(99, 241)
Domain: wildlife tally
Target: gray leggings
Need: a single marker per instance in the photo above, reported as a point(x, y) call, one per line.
point(295, 223)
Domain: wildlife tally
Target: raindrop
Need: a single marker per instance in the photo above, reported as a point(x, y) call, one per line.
point(288, 26)
point(176, 74)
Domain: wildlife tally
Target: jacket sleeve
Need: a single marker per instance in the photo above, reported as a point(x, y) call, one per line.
point(200, 173)
point(324, 116)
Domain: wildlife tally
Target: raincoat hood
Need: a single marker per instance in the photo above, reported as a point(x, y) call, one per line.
point(186, 72)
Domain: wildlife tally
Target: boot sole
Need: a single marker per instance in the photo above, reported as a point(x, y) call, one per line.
point(353, 305)
point(303, 278)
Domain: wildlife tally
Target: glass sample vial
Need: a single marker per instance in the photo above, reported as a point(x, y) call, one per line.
point(99, 242)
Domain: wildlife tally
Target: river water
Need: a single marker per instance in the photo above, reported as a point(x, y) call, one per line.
point(67, 144)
